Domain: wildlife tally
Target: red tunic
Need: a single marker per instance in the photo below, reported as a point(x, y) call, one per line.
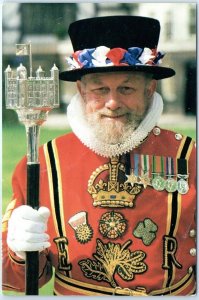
point(146, 246)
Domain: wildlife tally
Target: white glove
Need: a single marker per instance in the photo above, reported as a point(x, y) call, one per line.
point(26, 230)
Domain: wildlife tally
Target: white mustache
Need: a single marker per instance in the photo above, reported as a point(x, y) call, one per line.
point(113, 113)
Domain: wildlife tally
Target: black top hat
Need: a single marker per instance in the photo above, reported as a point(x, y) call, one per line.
point(115, 43)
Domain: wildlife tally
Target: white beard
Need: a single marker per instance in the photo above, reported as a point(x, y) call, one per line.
point(115, 138)
point(112, 132)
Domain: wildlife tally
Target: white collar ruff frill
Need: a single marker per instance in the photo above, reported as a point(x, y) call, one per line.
point(80, 127)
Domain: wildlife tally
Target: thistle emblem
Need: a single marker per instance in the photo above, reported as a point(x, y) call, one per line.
point(83, 231)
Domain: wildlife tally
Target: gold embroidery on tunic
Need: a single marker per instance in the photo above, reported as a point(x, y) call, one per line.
point(112, 225)
point(114, 192)
point(146, 230)
point(113, 258)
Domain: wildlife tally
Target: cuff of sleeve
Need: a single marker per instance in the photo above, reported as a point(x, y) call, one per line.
point(15, 258)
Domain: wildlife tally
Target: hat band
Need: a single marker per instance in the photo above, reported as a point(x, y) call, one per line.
point(104, 57)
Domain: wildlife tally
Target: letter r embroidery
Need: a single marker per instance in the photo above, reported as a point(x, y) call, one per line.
point(169, 251)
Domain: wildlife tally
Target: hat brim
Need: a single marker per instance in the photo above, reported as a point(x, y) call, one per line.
point(156, 71)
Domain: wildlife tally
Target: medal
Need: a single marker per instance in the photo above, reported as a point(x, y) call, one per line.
point(133, 177)
point(182, 184)
point(158, 182)
point(145, 180)
point(170, 184)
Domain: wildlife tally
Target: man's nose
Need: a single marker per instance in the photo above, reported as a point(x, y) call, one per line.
point(113, 101)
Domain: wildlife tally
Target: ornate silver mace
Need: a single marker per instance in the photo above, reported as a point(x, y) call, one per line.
point(32, 98)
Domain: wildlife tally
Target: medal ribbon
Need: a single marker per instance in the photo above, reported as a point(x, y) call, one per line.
point(182, 166)
point(136, 164)
point(158, 166)
point(145, 164)
point(169, 166)
point(128, 164)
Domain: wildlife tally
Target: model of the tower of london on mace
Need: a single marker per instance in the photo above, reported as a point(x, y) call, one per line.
point(32, 97)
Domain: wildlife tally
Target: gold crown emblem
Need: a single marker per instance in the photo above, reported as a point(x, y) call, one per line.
point(115, 192)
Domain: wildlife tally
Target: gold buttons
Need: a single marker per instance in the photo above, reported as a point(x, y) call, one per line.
point(193, 251)
point(156, 131)
point(178, 136)
point(190, 270)
point(192, 233)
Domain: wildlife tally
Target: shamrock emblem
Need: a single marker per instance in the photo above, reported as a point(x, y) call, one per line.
point(146, 230)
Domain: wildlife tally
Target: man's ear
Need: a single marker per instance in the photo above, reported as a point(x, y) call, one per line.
point(151, 88)
point(79, 86)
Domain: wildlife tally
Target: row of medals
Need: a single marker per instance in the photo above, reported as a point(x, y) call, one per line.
point(159, 183)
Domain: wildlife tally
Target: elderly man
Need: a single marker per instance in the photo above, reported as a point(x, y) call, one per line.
point(117, 195)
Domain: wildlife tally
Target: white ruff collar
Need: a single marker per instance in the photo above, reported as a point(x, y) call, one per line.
point(80, 127)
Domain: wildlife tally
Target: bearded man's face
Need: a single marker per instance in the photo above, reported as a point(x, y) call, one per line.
point(115, 103)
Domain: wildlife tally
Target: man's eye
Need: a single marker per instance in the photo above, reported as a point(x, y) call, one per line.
point(100, 91)
point(126, 90)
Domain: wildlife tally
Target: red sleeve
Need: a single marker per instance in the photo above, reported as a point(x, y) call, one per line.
point(13, 268)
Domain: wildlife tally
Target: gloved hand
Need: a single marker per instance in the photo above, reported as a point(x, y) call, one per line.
point(26, 230)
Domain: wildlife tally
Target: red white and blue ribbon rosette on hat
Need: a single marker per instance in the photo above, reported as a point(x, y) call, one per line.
point(104, 57)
